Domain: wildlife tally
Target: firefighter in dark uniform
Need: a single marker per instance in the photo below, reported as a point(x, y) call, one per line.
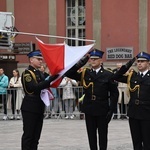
point(33, 107)
point(101, 96)
point(139, 104)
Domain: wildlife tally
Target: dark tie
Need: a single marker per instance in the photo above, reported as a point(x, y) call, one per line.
point(94, 72)
point(142, 75)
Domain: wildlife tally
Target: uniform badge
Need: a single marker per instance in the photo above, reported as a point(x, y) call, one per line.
point(28, 78)
point(141, 53)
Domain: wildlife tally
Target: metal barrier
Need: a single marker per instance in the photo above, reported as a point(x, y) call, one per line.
point(10, 104)
point(58, 105)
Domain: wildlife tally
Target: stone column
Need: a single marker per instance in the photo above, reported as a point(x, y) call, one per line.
point(97, 22)
point(10, 6)
point(52, 20)
point(143, 25)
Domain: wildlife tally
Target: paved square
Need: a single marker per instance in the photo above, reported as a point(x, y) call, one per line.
point(61, 134)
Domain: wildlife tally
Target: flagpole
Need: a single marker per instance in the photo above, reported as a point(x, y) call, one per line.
point(44, 35)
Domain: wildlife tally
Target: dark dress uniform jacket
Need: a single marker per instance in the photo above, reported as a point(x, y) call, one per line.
point(32, 86)
point(105, 93)
point(32, 108)
point(139, 104)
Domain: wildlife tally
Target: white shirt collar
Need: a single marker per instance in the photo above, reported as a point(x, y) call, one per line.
point(97, 70)
point(144, 73)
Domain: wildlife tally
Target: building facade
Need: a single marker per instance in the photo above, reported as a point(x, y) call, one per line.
point(120, 28)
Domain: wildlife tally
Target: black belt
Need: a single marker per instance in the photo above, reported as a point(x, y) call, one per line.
point(33, 96)
point(138, 102)
point(94, 97)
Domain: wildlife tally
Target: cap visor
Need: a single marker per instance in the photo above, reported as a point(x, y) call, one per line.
point(142, 59)
point(38, 57)
point(94, 57)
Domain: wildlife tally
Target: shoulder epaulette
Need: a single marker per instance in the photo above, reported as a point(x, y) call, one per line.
point(108, 69)
point(27, 78)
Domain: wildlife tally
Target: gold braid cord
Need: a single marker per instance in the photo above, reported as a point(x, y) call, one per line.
point(34, 77)
point(83, 81)
point(128, 83)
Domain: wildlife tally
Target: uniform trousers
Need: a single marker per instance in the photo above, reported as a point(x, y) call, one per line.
point(32, 127)
point(140, 132)
point(94, 124)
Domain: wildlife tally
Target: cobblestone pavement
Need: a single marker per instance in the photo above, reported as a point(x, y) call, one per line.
point(61, 134)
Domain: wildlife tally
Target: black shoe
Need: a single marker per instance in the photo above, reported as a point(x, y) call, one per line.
point(115, 117)
point(81, 116)
point(123, 117)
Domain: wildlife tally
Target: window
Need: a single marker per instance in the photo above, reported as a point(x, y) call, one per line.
point(75, 21)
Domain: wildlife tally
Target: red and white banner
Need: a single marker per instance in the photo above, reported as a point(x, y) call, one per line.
point(61, 57)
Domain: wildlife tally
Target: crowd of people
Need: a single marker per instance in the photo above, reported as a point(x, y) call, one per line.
point(103, 90)
point(11, 96)
point(66, 97)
